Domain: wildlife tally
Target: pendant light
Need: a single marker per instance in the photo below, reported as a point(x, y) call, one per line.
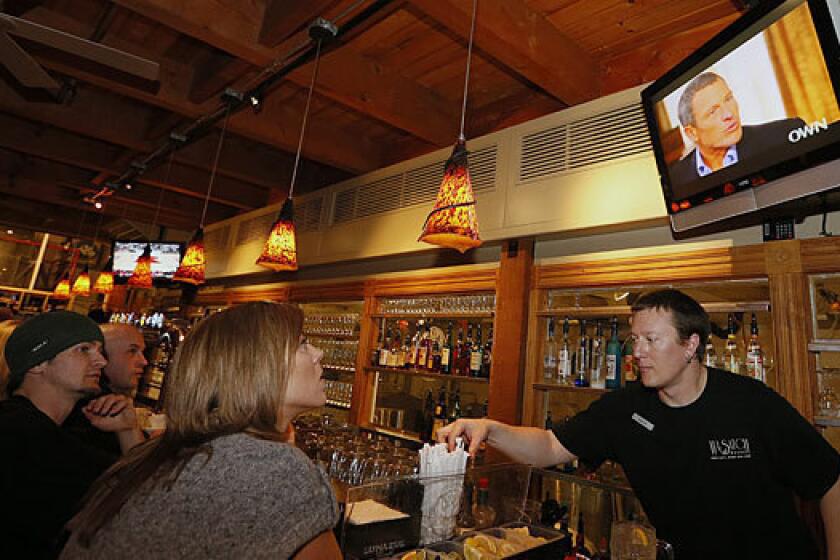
point(105, 281)
point(453, 222)
point(280, 249)
point(81, 287)
point(194, 264)
point(62, 289)
point(142, 275)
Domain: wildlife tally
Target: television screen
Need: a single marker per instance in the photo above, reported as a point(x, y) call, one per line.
point(757, 103)
point(166, 256)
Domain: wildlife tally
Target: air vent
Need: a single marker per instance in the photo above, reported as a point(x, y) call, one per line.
point(580, 144)
point(411, 188)
point(215, 241)
point(255, 229)
point(308, 215)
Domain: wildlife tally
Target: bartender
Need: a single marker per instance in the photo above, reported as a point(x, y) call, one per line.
point(714, 458)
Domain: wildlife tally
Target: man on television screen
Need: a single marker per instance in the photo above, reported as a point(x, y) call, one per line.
point(711, 119)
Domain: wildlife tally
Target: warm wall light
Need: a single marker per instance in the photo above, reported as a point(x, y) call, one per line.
point(280, 250)
point(453, 222)
point(81, 287)
point(142, 275)
point(191, 270)
point(62, 289)
point(104, 282)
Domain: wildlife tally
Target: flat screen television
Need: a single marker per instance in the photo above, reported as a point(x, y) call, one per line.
point(166, 256)
point(748, 126)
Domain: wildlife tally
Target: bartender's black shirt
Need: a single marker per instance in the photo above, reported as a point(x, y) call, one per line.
point(717, 477)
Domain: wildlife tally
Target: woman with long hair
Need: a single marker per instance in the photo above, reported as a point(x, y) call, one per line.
point(222, 481)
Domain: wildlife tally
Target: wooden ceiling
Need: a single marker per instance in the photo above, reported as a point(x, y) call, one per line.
point(388, 90)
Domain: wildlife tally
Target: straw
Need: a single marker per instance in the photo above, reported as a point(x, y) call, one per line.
point(441, 473)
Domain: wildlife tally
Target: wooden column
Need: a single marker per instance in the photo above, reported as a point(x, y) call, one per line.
point(361, 402)
point(510, 332)
point(791, 311)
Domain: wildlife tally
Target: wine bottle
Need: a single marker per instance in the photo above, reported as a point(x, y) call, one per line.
point(709, 353)
point(731, 359)
point(628, 367)
point(613, 380)
point(455, 407)
point(550, 353)
point(385, 353)
point(549, 423)
point(475, 354)
point(440, 413)
point(487, 356)
point(446, 351)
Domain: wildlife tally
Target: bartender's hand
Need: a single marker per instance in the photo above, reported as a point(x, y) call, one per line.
point(473, 430)
point(111, 413)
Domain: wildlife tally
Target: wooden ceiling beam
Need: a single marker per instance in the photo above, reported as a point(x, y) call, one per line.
point(524, 41)
point(344, 77)
point(113, 119)
point(100, 157)
point(283, 18)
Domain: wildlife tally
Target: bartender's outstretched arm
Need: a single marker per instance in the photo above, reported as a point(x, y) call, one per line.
point(532, 446)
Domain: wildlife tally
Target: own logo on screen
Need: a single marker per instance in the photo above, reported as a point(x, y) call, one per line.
point(802, 132)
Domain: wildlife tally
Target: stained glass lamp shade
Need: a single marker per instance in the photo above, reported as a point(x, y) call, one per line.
point(105, 281)
point(452, 222)
point(81, 287)
point(62, 289)
point(142, 275)
point(280, 249)
point(191, 270)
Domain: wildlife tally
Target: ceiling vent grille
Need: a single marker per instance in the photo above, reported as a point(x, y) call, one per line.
point(587, 142)
point(255, 229)
point(308, 215)
point(410, 188)
point(215, 241)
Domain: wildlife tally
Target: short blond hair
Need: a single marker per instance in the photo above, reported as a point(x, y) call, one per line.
point(6, 328)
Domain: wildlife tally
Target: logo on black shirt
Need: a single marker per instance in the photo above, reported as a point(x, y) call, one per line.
point(731, 448)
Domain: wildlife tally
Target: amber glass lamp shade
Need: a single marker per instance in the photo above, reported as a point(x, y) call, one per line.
point(280, 250)
point(142, 275)
point(62, 289)
point(81, 287)
point(105, 281)
point(191, 270)
point(452, 222)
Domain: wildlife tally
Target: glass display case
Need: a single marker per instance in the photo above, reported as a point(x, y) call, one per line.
point(431, 362)
point(825, 300)
point(584, 349)
point(333, 327)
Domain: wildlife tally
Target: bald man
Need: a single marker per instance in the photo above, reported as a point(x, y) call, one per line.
point(123, 349)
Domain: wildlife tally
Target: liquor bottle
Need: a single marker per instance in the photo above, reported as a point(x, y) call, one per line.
point(549, 423)
point(596, 369)
point(628, 367)
point(422, 346)
point(755, 357)
point(582, 357)
point(446, 351)
point(375, 353)
point(385, 353)
point(455, 407)
point(550, 353)
point(428, 417)
point(710, 354)
point(465, 521)
point(487, 356)
point(459, 352)
point(483, 513)
point(412, 346)
point(475, 354)
point(613, 380)
point(731, 359)
point(564, 361)
point(440, 413)
point(434, 357)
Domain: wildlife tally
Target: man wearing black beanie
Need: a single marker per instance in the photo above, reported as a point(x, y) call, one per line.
point(55, 359)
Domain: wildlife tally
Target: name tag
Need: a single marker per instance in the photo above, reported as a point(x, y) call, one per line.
point(642, 421)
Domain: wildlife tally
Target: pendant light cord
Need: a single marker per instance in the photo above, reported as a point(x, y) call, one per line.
point(215, 166)
point(160, 195)
point(305, 117)
point(467, 74)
